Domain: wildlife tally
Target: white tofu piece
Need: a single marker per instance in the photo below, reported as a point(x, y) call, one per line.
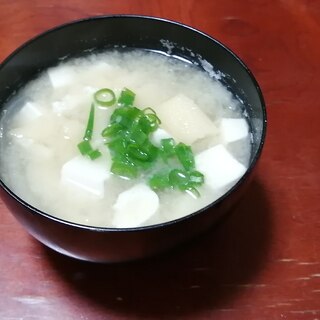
point(61, 76)
point(29, 112)
point(20, 138)
point(219, 167)
point(135, 206)
point(41, 130)
point(149, 94)
point(158, 135)
point(86, 174)
point(72, 129)
point(59, 106)
point(98, 73)
point(40, 152)
point(182, 118)
point(132, 80)
point(100, 67)
point(233, 129)
point(67, 103)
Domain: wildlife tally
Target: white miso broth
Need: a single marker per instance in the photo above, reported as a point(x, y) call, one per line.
point(42, 125)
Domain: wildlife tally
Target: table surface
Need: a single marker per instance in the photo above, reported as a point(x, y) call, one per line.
point(264, 261)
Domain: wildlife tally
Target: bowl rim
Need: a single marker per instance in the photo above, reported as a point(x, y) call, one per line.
point(169, 223)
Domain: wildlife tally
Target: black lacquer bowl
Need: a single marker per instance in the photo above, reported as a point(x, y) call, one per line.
point(98, 33)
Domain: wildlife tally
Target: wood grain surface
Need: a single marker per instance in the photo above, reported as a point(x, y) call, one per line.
point(264, 261)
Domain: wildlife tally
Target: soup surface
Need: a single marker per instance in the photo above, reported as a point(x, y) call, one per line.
point(43, 124)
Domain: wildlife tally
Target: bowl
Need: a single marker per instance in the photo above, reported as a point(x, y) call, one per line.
point(99, 244)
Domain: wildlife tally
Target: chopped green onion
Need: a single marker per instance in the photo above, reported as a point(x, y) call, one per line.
point(133, 154)
point(167, 147)
point(159, 181)
point(145, 125)
point(94, 154)
point(84, 147)
point(89, 128)
point(185, 156)
point(178, 178)
point(152, 150)
point(126, 97)
point(149, 109)
point(125, 170)
point(125, 116)
point(154, 121)
point(118, 146)
point(105, 97)
point(136, 135)
point(111, 129)
point(196, 178)
point(138, 152)
point(152, 115)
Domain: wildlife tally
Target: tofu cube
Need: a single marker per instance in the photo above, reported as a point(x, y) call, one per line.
point(182, 118)
point(149, 94)
point(233, 129)
point(42, 130)
point(40, 152)
point(135, 206)
point(86, 174)
point(20, 137)
point(68, 103)
point(29, 112)
point(61, 76)
point(219, 167)
point(101, 75)
point(131, 80)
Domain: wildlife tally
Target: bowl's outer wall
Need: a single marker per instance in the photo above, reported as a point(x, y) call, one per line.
point(115, 246)
point(138, 32)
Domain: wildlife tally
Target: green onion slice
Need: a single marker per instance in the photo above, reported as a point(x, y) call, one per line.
point(89, 128)
point(179, 178)
point(111, 130)
point(159, 181)
point(168, 148)
point(105, 97)
point(94, 154)
point(196, 178)
point(125, 170)
point(126, 97)
point(133, 154)
point(149, 110)
point(84, 147)
point(125, 116)
point(185, 156)
point(138, 152)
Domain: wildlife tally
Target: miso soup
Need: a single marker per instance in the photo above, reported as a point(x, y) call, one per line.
point(196, 147)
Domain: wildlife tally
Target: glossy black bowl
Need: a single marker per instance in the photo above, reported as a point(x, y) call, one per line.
point(77, 38)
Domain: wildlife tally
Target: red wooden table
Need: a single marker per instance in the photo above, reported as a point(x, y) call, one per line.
point(264, 261)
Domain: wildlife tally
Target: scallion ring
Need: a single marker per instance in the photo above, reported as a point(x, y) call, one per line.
point(105, 97)
point(151, 115)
